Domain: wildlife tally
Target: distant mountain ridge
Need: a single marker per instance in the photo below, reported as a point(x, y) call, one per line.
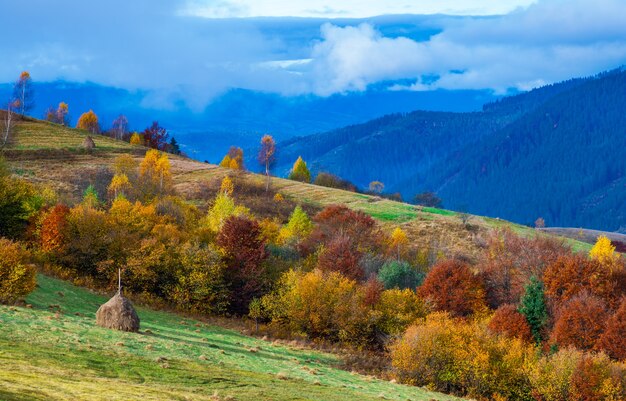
point(558, 152)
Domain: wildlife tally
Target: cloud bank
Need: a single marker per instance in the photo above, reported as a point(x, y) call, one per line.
point(178, 57)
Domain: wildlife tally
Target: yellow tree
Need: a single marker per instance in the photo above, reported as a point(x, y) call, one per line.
point(225, 162)
point(119, 185)
point(233, 159)
point(300, 171)
point(136, 139)
point(155, 170)
point(604, 252)
point(89, 122)
point(398, 240)
point(227, 187)
point(267, 156)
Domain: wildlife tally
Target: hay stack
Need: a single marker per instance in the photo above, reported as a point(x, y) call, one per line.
point(118, 313)
point(89, 144)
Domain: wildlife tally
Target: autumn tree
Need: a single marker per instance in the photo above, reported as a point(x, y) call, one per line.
point(154, 173)
point(23, 93)
point(376, 187)
point(16, 203)
point(89, 122)
point(509, 261)
point(604, 252)
point(300, 172)
point(533, 307)
point(155, 136)
point(17, 275)
point(580, 322)
point(511, 323)
point(119, 128)
point(120, 185)
point(613, 340)
point(136, 139)
point(227, 187)
point(223, 208)
point(297, 228)
point(341, 255)
point(397, 241)
point(451, 286)
point(60, 115)
point(53, 231)
point(267, 156)
point(571, 275)
point(336, 220)
point(245, 252)
point(200, 283)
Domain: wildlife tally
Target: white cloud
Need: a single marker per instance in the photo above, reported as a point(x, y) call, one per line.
point(346, 8)
point(524, 49)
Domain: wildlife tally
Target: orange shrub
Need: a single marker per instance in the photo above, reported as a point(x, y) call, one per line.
point(572, 275)
point(580, 322)
point(508, 321)
point(451, 286)
point(613, 340)
point(53, 229)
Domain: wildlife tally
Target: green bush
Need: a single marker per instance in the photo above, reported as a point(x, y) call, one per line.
point(17, 276)
point(400, 275)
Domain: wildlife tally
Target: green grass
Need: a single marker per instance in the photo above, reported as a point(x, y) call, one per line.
point(54, 351)
point(39, 135)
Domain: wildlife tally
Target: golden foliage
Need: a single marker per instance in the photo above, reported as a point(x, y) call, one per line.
point(227, 187)
point(136, 139)
point(604, 252)
point(89, 121)
point(17, 276)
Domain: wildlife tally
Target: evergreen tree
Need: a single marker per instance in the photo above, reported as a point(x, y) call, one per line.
point(174, 147)
point(300, 172)
point(533, 307)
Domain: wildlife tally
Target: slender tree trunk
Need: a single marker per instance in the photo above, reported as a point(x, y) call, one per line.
point(8, 125)
point(267, 173)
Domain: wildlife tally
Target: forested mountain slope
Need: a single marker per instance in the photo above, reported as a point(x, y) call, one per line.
point(556, 152)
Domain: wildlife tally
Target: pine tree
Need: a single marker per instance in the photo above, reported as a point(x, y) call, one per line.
point(533, 307)
point(300, 172)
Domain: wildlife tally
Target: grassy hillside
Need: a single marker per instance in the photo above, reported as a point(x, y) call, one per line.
point(53, 155)
point(52, 350)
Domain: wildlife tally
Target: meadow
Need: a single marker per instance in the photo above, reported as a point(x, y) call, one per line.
point(52, 350)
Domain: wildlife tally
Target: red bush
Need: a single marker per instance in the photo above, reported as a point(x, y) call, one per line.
point(245, 252)
point(580, 322)
point(341, 255)
point(338, 220)
point(451, 286)
point(509, 322)
point(613, 340)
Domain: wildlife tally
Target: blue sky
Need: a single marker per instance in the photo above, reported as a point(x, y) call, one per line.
point(195, 50)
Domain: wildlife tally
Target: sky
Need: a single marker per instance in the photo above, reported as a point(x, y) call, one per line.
point(192, 51)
